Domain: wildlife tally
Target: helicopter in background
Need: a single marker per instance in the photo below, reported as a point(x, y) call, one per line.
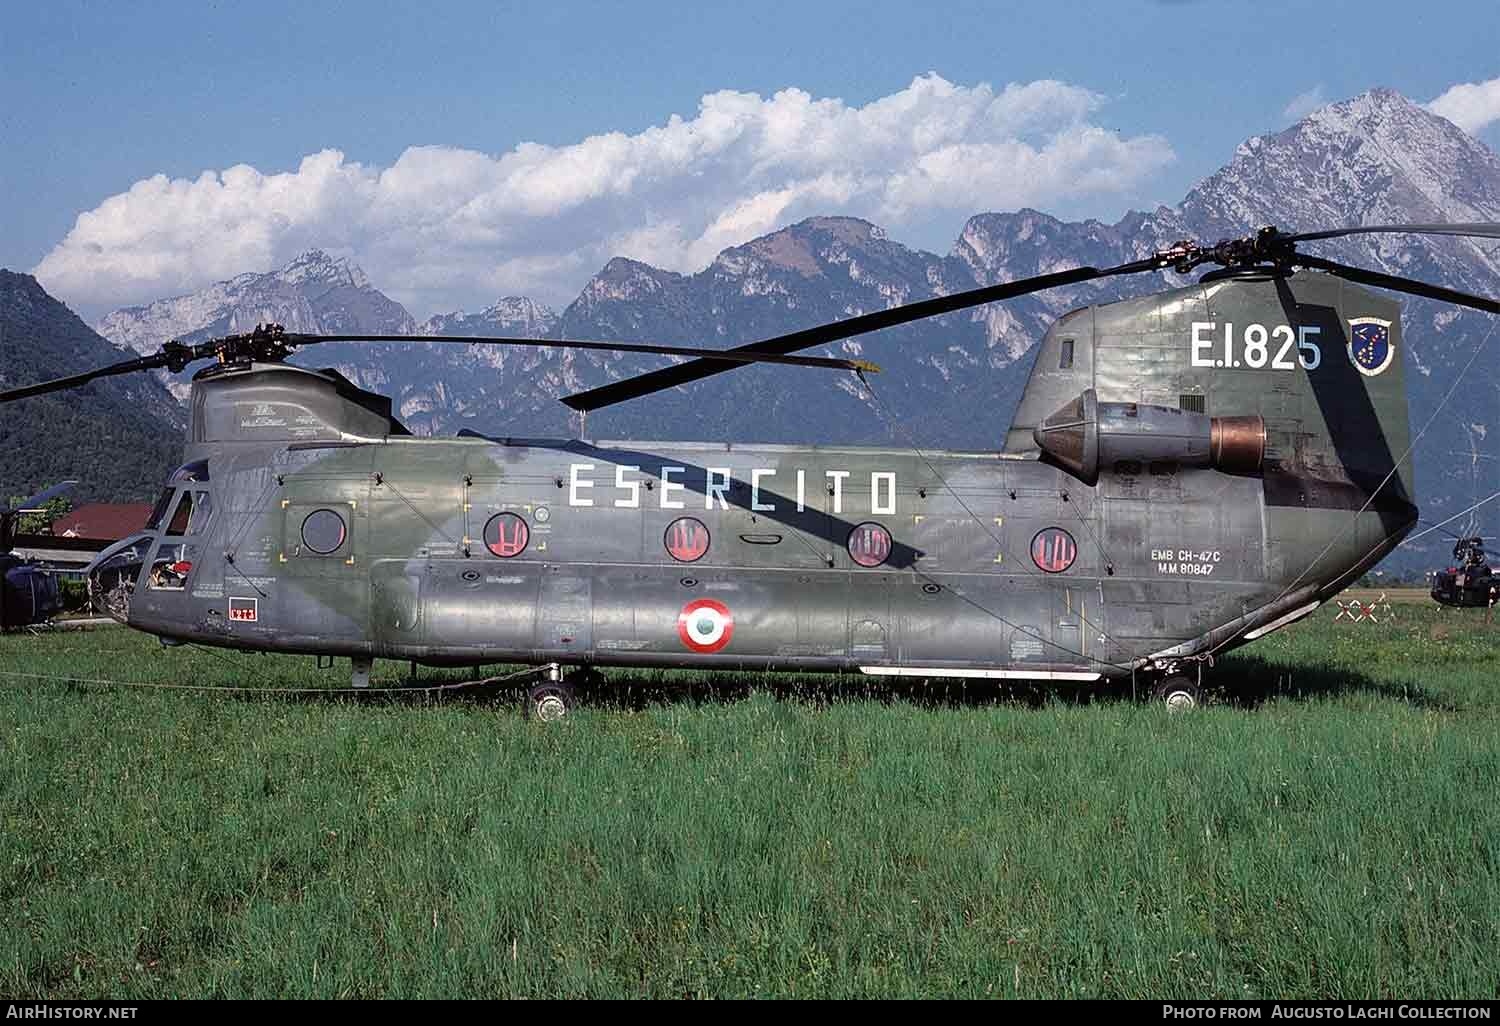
point(28, 593)
point(1186, 472)
point(1470, 582)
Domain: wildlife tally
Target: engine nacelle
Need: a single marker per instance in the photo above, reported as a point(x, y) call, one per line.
point(1087, 434)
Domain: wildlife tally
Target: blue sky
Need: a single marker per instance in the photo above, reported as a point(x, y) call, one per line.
point(1111, 106)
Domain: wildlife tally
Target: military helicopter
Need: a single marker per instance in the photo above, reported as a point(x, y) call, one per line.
point(1470, 582)
point(1186, 472)
point(28, 593)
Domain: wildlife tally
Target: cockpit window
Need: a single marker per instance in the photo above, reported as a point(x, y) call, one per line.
point(170, 569)
point(160, 509)
point(182, 516)
point(203, 506)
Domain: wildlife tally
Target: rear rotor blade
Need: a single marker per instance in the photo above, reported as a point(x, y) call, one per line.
point(1410, 286)
point(670, 377)
point(1474, 229)
point(605, 347)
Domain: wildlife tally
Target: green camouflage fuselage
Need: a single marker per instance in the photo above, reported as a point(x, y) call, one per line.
point(474, 550)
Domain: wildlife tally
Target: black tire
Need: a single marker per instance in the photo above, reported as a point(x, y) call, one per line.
point(1177, 693)
point(549, 702)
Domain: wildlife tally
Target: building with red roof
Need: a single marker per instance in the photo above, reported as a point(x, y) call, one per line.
point(102, 521)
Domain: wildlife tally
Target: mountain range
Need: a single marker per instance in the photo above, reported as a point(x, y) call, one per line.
point(949, 381)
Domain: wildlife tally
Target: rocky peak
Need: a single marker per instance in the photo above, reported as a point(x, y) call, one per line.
point(991, 240)
point(522, 310)
point(782, 250)
point(314, 293)
point(510, 315)
point(623, 278)
point(1376, 157)
point(854, 230)
point(316, 267)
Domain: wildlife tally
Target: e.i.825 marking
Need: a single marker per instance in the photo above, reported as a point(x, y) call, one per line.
point(1257, 346)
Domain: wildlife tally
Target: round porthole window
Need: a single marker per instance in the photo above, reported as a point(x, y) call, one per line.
point(1053, 550)
point(869, 544)
point(323, 532)
point(686, 540)
point(506, 535)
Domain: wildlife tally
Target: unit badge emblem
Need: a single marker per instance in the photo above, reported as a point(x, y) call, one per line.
point(1370, 347)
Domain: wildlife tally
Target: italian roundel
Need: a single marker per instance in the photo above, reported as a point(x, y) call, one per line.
point(705, 625)
point(1370, 346)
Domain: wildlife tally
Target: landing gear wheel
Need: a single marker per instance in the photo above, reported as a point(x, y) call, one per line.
point(1177, 693)
point(549, 702)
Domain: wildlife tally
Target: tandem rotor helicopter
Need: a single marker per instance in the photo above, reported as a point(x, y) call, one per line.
point(1186, 472)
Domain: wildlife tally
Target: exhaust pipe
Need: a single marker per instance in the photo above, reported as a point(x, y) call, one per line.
point(1086, 434)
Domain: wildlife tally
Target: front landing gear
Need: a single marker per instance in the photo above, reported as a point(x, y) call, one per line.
point(1178, 693)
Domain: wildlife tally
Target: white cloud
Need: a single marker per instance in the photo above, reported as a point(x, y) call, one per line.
point(1472, 106)
point(1304, 104)
point(443, 227)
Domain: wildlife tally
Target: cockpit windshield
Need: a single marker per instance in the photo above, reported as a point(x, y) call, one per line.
point(182, 516)
point(160, 509)
point(186, 474)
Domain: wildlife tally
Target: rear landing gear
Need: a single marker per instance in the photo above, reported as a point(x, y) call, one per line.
point(549, 701)
point(1178, 693)
point(556, 694)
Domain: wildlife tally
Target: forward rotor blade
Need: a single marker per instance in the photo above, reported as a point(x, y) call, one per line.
point(75, 380)
point(1474, 229)
point(1408, 285)
point(670, 377)
point(278, 344)
point(606, 347)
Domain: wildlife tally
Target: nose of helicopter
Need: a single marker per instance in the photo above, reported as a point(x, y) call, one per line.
point(113, 574)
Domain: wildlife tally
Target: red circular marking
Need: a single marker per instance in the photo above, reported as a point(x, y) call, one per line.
point(1053, 550)
point(506, 535)
point(686, 539)
point(869, 545)
point(705, 625)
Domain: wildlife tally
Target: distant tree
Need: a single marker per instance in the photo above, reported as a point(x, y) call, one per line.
point(39, 523)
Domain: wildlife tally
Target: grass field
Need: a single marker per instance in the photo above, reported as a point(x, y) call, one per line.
point(1328, 827)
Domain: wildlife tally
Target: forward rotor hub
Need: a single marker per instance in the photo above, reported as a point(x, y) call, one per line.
point(268, 343)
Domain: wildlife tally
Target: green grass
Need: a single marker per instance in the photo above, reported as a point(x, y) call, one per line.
point(1329, 827)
